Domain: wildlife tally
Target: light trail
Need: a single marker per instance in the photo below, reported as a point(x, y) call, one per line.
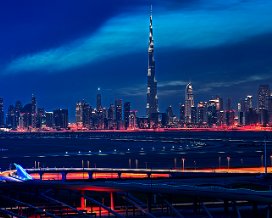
point(142, 173)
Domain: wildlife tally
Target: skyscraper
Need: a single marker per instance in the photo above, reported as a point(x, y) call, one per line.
point(49, 119)
point(118, 113)
point(11, 119)
point(126, 114)
point(79, 112)
point(110, 117)
point(18, 108)
point(98, 100)
point(151, 96)
point(201, 112)
point(82, 114)
point(182, 114)
point(40, 118)
point(269, 108)
point(2, 122)
point(33, 111)
point(60, 118)
point(263, 92)
point(189, 102)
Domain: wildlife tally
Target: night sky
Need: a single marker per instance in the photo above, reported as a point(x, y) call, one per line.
point(62, 51)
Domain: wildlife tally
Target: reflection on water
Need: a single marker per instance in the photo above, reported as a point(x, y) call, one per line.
point(157, 150)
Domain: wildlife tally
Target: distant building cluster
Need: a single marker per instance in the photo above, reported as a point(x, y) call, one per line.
point(117, 117)
point(29, 117)
point(216, 113)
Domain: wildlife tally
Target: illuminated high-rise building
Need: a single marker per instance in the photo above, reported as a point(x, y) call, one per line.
point(248, 103)
point(98, 100)
point(263, 93)
point(201, 112)
point(2, 122)
point(110, 117)
point(60, 118)
point(151, 96)
point(82, 114)
point(40, 118)
point(182, 114)
point(11, 119)
point(49, 119)
point(33, 111)
point(111, 111)
point(189, 102)
point(118, 113)
point(132, 120)
point(126, 114)
point(212, 112)
point(269, 108)
point(230, 114)
point(26, 116)
point(79, 112)
point(18, 108)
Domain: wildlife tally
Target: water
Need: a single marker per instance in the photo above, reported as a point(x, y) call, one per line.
point(135, 150)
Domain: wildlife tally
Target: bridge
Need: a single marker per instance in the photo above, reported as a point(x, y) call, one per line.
point(116, 173)
point(119, 173)
point(184, 193)
point(190, 196)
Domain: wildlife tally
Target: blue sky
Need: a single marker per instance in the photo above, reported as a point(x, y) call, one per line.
point(62, 51)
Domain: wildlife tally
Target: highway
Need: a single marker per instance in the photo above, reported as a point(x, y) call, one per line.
point(127, 173)
point(209, 188)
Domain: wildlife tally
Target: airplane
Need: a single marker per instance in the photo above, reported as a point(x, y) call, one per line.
point(18, 175)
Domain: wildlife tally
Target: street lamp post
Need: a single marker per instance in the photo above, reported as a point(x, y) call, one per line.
point(242, 162)
point(136, 163)
point(145, 165)
point(265, 161)
point(183, 162)
point(88, 164)
point(82, 162)
point(228, 158)
point(195, 164)
point(129, 163)
point(219, 162)
point(175, 163)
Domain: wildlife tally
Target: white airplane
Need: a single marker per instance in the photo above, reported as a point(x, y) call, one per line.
point(18, 175)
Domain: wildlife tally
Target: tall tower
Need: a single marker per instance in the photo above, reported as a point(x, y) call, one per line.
point(151, 95)
point(33, 111)
point(98, 100)
point(189, 102)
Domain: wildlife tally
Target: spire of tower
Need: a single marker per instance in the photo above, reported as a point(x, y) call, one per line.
point(151, 40)
point(152, 98)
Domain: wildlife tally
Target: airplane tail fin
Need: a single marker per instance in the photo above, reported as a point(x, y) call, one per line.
point(21, 173)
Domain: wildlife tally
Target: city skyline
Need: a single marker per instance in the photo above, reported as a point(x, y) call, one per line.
point(216, 113)
point(227, 53)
